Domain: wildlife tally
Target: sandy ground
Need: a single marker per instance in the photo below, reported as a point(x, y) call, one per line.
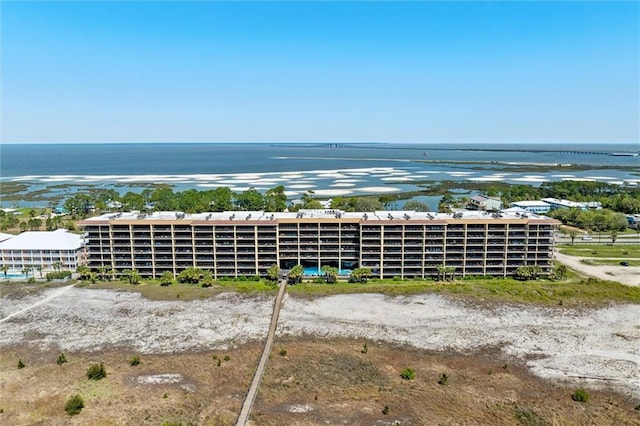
point(600, 346)
point(627, 275)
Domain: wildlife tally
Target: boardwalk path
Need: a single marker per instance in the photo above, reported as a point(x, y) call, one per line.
point(245, 411)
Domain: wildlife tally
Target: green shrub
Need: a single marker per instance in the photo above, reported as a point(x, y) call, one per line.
point(74, 405)
point(227, 358)
point(207, 285)
point(529, 417)
point(408, 374)
point(20, 364)
point(385, 410)
point(214, 356)
point(135, 360)
point(365, 349)
point(283, 352)
point(580, 395)
point(57, 275)
point(166, 279)
point(61, 359)
point(397, 278)
point(96, 372)
point(219, 362)
point(444, 379)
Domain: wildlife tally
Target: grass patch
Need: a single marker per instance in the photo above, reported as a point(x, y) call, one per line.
point(573, 291)
point(622, 251)
point(610, 262)
point(154, 291)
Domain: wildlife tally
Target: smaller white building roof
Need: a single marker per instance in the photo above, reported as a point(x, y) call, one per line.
point(5, 237)
point(60, 239)
point(530, 203)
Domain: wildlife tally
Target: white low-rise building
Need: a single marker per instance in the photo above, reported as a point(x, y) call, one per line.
point(533, 206)
point(48, 250)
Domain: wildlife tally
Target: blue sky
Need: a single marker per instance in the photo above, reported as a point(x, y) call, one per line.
point(320, 71)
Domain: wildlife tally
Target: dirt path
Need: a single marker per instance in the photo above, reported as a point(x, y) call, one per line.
point(255, 383)
point(47, 299)
point(627, 275)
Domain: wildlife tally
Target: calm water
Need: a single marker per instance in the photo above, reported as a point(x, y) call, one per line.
point(181, 159)
point(328, 170)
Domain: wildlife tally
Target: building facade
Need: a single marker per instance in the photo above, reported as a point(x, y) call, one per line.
point(391, 244)
point(482, 202)
point(45, 250)
point(537, 207)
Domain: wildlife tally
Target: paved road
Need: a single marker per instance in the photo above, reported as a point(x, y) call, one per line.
point(628, 275)
point(247, 404)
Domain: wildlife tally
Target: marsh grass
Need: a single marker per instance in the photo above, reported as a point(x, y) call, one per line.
point(573, 291)
point(151, 289)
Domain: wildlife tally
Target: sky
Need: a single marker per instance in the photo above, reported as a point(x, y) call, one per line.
point(421, 71)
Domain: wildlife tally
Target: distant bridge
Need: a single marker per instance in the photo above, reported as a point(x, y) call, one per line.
point(426, 148)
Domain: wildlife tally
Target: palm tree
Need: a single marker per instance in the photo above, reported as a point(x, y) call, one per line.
point(102, 272)
point(273, 272)
point(560, 271)
point(360, 275)
point(450, 270)
point(614, 237)
point(57, 266)
point(442, 272)
point(295, 274)
point(572, 235)
point(5, 268)
point(27, 269)
point(84, 272)
point(330, 274)
point(132, 276)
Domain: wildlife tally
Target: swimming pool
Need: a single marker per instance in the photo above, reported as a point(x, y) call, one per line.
point(14, 276)
point(309, 271)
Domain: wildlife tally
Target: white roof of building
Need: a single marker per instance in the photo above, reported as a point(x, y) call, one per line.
point(60, 239)
point(529, 203)
point(242, 216)
point(566, 203)
point(5, 237)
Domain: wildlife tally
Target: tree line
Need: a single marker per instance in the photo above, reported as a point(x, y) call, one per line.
point(623, 199)
point(163, 198)
point(604, 220)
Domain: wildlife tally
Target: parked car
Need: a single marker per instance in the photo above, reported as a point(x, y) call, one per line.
point(624, 263)
point(586, 238)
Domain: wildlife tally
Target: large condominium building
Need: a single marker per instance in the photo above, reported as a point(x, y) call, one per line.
point(390, 243)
